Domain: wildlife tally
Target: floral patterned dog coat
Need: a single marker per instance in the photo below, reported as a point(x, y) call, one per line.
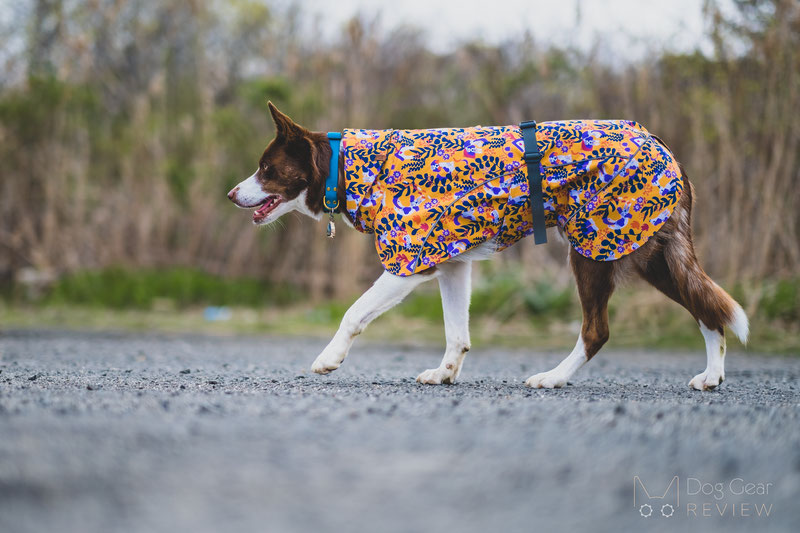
point(430, 195)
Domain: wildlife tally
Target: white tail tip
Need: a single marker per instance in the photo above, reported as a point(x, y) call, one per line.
point(739, 324)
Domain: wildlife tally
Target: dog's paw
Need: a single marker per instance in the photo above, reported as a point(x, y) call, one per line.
point(437, 376)
point(706, 381)
point(325, 365)
point(546, 380)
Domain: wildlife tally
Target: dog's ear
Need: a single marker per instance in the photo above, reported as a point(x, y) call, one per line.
point(285, 126)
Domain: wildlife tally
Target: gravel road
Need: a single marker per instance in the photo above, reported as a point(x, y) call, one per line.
point(142, 433)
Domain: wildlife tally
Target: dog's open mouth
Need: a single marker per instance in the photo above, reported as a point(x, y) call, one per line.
point(266, 207)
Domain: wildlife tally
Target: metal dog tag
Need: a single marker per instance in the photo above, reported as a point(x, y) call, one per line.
point(331, 233)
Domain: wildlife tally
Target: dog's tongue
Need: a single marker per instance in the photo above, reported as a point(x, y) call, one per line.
point(264, 208)
point(270, 204)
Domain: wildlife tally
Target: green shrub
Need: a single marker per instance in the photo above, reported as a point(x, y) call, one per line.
point(425, 304)
point(503, 296)
point(121, 288)
point(507, 295)
point(781, 300)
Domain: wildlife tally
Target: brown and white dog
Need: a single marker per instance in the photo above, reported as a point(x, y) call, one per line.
point(291, 176)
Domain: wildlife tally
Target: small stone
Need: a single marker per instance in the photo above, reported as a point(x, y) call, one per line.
point(186, 371)
point(33, 377)
point(212, 382)
point(90, 387)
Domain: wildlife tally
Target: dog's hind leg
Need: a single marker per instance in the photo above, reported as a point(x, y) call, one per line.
point(713, 308)
point(671, 266)
point(710, 306)
point(595, 281)
point(455, 285)
point(659, 274)
point(388, 291)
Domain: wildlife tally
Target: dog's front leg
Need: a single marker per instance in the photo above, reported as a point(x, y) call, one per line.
point(455, 284)
point(388, 291)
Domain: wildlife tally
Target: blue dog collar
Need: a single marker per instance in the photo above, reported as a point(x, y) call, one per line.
point(331, 200)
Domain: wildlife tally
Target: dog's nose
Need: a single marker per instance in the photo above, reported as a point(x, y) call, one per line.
point(232, 194)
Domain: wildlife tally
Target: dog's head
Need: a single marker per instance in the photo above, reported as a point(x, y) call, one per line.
point(290, 173)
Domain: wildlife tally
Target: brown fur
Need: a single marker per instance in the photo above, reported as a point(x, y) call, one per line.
point(668, 262)
point(595, 280)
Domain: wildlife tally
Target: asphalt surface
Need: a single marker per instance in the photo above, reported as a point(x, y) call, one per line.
point(135, 433)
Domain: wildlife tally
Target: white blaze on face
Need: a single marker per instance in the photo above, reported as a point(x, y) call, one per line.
point(249, 192)
point(271, 206)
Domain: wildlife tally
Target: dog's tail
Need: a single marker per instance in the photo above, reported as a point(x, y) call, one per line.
point(710, 304)
point(707, 301)
point(739, 324)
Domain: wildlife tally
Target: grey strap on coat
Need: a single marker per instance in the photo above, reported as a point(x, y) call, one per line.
point(532, 158)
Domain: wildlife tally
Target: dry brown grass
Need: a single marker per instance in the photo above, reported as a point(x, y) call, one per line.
point(124, 161)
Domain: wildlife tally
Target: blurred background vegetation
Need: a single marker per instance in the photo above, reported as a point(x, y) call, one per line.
point(124, 123)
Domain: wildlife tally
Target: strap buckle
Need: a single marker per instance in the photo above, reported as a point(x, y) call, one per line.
point(532, 157)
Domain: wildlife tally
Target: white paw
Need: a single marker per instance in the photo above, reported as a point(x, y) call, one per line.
point(546, 380)
point(325, 364)
point(437, 376)
point(706, 381)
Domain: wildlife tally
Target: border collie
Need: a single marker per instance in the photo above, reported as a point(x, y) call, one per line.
point(439, 199)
